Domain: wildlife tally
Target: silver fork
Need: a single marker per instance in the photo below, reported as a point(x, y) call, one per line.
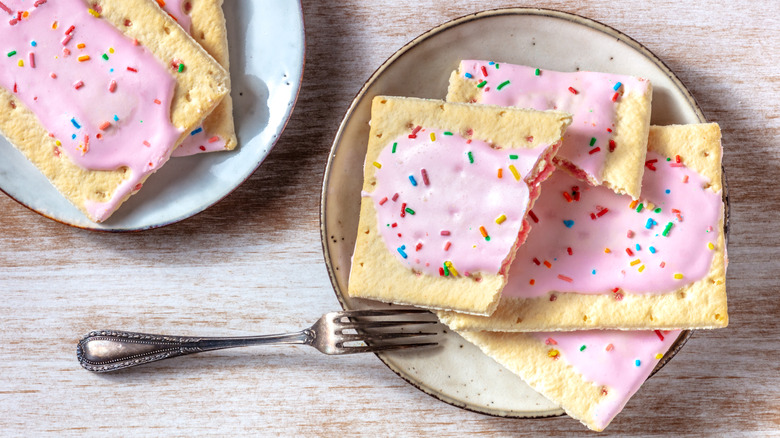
point(370, 331)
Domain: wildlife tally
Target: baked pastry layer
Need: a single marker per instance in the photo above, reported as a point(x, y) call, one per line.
point(591, 374)
point(378, 270)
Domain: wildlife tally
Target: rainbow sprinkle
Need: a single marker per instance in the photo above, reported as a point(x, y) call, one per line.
point(502, 85)
point(424, 174)
point(514, 171)
point(500, 220)
point(484, 233)
point(452, 269)
point(650, 223)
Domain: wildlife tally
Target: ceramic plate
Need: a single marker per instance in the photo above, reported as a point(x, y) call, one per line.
point(458, 373)
point(266, 60)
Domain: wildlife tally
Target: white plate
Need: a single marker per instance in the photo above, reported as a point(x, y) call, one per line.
point(458, 373)
point(266, 41)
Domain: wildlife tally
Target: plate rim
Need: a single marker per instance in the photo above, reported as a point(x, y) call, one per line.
point(684, 336)
point(275, 139)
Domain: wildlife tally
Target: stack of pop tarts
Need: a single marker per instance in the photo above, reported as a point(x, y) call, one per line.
point(577, 280)
point(98, 95)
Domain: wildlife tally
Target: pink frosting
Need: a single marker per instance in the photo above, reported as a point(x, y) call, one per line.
point(588, 96)
point(602, 220)
point(449, 198)
point(199, 140)
point(619, 361)
point(70, 93)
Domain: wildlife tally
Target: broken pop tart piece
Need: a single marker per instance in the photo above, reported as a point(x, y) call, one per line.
point(445, 193)
point(599, 260)
point(607, 140)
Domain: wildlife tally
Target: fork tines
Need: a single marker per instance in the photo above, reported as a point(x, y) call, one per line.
point(391, 311)
point(377, 331)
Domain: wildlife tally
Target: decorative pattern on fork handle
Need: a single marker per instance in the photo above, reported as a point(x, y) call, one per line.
point(121, 349)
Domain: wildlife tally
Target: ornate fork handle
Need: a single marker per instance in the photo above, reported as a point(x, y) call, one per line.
point(111, 350)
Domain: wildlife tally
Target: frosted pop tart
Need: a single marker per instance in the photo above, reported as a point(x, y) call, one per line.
point(204, 20)
point(607, 140)
point(596, 259)
point(590, 374)
point(445, 194)
point(97, 95)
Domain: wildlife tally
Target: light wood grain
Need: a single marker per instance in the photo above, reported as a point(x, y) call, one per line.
point(253, 263)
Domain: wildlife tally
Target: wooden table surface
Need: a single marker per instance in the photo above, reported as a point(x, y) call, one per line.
point(253, 263)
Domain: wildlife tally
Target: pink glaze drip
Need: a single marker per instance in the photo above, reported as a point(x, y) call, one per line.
point(609, 360)
point(592, 107)
point(684, 250)
point(459, 198)
point(198, 141)
point(137, 131)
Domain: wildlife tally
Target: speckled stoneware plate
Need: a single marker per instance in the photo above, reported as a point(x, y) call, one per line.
point(457, 372)
point(266, 41)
